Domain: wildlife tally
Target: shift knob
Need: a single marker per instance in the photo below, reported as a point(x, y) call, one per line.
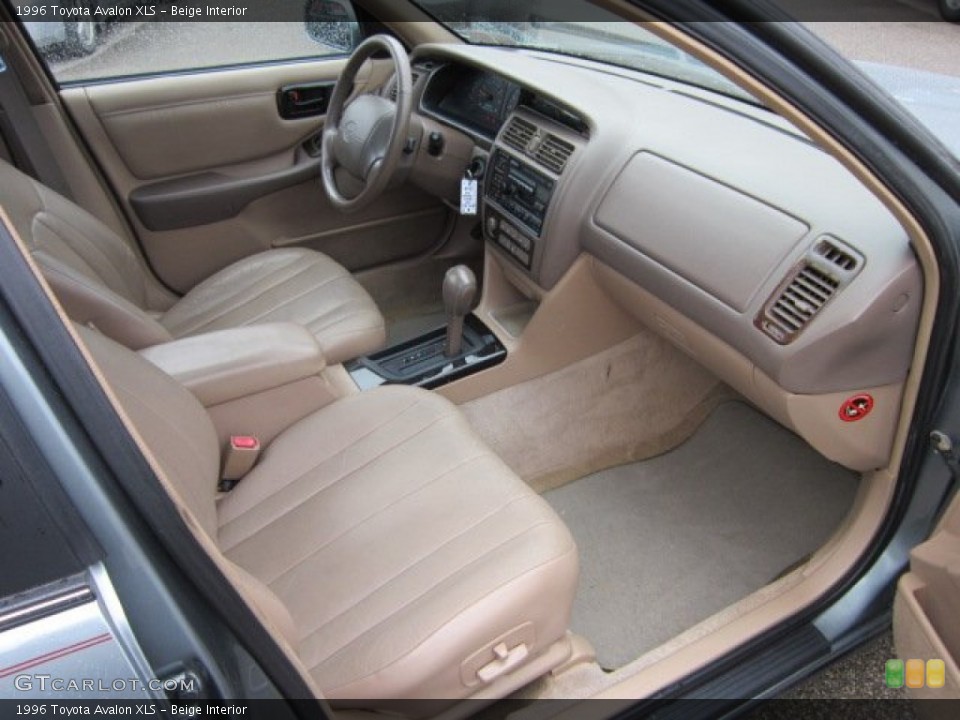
point(459, 291)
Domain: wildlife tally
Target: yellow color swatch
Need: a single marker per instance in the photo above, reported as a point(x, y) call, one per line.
point(914, 674)
point(936, 674)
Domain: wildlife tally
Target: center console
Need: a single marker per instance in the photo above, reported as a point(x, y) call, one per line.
point(521, 177)
point(255, 380)
point(526, 167)
point(423, 361)
point(439, 357)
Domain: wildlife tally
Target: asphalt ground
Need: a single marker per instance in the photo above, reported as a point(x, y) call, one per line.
point(924, 44)
point(859, 675)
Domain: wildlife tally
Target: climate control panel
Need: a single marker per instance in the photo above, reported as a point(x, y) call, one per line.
point(510, 239)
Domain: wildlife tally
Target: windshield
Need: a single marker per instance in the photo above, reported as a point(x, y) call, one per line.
point(547, 25)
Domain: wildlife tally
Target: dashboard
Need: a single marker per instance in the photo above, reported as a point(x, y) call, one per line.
point(478, 100)
point(481, 101)
point(707, 216)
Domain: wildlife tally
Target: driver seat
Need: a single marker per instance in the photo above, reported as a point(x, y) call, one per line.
point(102, 282)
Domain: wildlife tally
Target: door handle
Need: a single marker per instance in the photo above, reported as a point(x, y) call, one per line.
point(297, 101)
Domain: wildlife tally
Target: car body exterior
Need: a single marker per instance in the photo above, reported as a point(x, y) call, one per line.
point(949, 10)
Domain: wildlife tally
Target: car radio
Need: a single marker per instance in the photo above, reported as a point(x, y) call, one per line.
point(519, 190)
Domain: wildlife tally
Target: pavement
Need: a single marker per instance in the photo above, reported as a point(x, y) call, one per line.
point(859, 675)
point(924, 44)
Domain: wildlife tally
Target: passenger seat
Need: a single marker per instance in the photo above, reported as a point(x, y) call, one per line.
point(101, 281)
point(404, 559)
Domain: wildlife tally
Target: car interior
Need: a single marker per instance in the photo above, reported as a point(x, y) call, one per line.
point(644, 403)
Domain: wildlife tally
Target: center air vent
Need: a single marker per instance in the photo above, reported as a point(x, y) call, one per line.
point(825, 270)
point(553, 153)
point(547, 149)
point(519, 134)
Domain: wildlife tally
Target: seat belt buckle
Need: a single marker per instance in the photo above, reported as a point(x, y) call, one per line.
point(240, 457)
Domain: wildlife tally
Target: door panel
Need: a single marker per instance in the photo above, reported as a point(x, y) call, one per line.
point(230, 116)
point(224, 176)
point(927, 606)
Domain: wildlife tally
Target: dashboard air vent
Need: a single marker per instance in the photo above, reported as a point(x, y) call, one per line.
point(547, 149)
point(519, 133)
point(791, 309)
point(836, 256)
point(553, 153)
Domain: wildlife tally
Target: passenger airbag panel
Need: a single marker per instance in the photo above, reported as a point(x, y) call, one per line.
point(721, 240)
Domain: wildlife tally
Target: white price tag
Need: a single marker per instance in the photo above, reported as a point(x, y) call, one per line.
point(468, 196)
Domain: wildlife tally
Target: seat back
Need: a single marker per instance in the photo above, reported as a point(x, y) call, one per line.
point(96, 275)
point(180, 437)
point(172, 423)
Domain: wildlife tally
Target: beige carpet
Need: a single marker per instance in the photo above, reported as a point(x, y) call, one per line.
point(635, 401)
point(669, 542)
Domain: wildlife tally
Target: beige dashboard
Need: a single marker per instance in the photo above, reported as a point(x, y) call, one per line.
point(713, 221)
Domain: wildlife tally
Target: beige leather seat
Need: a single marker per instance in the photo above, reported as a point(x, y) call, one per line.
point(102, 281)
point(400, 555)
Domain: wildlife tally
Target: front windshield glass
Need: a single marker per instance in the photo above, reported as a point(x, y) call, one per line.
point(914, 62)
point(594, 34)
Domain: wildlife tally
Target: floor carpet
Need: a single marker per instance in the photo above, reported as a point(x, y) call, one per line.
point(633, 401)
point(667, 542)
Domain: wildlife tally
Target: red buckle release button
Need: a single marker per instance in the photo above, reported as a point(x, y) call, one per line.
point(244, 442)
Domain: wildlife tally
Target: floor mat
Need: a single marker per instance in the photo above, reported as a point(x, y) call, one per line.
point(634, 401)
point(668, 542)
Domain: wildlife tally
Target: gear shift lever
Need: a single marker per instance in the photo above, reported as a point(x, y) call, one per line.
point(459, 290)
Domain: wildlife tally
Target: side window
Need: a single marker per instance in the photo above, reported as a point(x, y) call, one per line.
point(91, 40)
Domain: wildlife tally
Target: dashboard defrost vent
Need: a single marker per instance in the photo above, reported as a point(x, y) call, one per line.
point(519, 134)
point(553, 153)
point(792, 308)
point(834, 255)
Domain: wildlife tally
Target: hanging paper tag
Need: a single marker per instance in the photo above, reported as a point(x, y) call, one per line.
point(468, 196)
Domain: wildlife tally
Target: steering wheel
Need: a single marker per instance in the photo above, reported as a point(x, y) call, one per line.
point(366, 137)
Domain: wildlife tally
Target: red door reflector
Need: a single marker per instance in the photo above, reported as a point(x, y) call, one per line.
point(856, 407)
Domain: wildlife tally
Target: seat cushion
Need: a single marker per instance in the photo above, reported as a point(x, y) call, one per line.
point(97, 276)
point(401, 545)
point(292, 285)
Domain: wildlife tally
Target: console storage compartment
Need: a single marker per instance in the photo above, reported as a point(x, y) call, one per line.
point(255, 380)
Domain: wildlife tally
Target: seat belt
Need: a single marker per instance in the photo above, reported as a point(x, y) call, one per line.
point(28, 147)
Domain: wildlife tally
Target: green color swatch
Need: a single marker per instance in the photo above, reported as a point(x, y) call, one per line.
point(894, 673)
